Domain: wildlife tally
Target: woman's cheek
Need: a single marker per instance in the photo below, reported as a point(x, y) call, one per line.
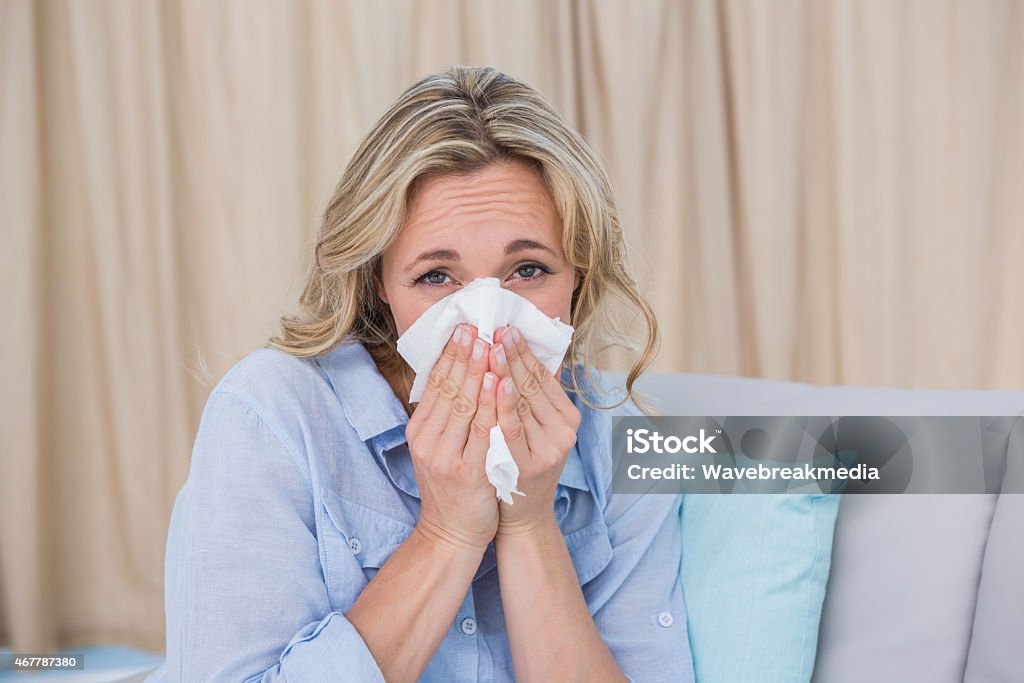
point(555, 306)
point(412, 312)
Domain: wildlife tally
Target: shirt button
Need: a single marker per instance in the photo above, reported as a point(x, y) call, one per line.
point(665, 619)
point(469, 626)
point(355, 545)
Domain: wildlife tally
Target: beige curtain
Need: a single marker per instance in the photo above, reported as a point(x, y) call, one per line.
point(829, 192)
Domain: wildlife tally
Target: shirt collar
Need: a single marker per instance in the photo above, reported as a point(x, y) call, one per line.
point(379, 418)
point(369, 402)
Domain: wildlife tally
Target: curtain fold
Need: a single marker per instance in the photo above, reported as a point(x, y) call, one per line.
point(826, 192)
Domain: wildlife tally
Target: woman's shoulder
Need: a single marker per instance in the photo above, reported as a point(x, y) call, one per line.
point(600, 451)
point(308, 396)
point(290, 400)
point(267, 377)
point(594, 438)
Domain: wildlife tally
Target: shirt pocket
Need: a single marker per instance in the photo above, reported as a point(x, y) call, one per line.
point(356, 541)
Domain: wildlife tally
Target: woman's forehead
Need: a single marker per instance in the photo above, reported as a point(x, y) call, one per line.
point(499, 199)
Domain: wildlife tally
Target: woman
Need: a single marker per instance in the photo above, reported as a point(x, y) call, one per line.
point(330, 531)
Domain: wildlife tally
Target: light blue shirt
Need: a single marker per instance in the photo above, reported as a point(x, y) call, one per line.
point(300, 488)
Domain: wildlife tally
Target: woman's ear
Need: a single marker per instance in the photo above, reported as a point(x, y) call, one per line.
point(381, 292)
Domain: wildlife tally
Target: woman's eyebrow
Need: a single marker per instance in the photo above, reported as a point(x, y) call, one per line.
point(512, 247)
point(523, 244)
point(437, 255)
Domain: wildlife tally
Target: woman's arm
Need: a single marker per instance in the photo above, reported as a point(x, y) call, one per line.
point(406, 608)
point(638, 628)
point(551, 633)
point(404, 611)
point(244, 591)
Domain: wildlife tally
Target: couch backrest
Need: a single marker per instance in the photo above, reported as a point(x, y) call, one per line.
point(922, 587)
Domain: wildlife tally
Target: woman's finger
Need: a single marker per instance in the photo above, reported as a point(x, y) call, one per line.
point(530, 379)
point(464, 404)
point(438, 374)
point(479, 441)
point(522, 432)
point(549, 382)
point(450, 386)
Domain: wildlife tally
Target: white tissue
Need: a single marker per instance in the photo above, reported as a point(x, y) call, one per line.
point(487, 305)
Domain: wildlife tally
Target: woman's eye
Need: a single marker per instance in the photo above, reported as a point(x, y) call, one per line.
point(530, 271)
point(439, 278)
point(434, 277)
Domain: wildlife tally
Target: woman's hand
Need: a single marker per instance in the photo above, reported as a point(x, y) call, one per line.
point(448, 435)
point(539, 422)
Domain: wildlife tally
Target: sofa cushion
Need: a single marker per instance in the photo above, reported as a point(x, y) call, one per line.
point(754, 570)
point(754, 566)
point(901, 597)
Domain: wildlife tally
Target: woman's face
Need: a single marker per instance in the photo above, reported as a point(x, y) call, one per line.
point(499, 222)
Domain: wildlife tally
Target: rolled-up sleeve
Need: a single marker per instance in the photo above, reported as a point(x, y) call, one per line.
point(245, 596)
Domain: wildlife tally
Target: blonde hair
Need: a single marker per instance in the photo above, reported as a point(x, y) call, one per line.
point(457, 122)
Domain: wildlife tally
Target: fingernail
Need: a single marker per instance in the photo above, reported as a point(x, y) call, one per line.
point(488, 381)
point(515, 333)
point(499, 353)
point(478, 349)
point(510, 386)
point(467, 337)
point(457, 337)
